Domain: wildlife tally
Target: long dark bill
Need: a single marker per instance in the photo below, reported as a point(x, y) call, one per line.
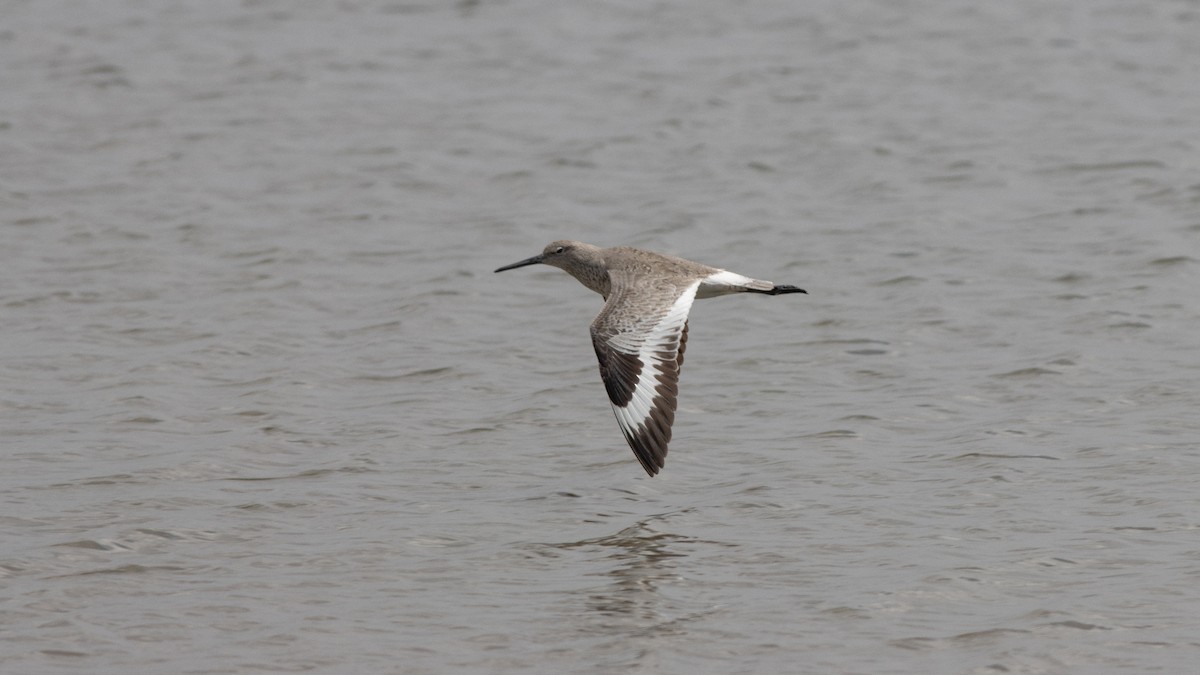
point(528, 261)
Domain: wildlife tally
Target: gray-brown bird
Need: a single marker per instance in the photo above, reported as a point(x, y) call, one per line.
point(641, 333)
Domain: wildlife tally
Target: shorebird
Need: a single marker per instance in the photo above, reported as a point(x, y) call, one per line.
point(641, 332)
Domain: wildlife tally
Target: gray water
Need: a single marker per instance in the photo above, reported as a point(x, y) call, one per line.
point(264, 406)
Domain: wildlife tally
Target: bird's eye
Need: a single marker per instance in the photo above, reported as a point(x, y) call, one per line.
point(560, 249)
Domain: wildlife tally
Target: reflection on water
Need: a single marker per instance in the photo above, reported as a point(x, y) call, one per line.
point(639, 559)
point(646, 598)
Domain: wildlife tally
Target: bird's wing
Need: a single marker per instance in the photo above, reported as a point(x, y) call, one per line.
point(639, 338)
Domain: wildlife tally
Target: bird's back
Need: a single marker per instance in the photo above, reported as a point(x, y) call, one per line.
point(641, 262)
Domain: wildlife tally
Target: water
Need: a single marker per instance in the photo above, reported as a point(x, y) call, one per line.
point(265, 407)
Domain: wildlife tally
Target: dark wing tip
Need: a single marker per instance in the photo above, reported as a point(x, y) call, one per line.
point(649, 445)
point(650, 440)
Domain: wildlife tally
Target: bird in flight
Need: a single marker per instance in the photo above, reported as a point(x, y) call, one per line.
point(641, 333)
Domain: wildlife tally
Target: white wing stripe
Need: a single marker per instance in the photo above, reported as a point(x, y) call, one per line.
point(635, 413)
point(638, 337)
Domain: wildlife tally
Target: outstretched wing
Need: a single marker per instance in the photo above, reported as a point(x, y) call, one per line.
point(639, 337)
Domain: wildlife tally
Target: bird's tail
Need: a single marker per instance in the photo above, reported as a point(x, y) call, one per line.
point(774, 289)
point(725, 282)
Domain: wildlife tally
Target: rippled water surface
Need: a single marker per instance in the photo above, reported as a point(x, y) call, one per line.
point(264, 406)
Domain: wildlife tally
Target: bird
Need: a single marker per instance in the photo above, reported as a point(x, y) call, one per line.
point(641, 333)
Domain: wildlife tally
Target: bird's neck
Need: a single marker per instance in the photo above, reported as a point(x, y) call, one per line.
point(594, 278)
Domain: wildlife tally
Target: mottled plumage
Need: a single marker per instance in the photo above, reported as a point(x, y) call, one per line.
point(641, 333)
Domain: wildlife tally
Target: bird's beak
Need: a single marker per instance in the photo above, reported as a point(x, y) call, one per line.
point(528, 261)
